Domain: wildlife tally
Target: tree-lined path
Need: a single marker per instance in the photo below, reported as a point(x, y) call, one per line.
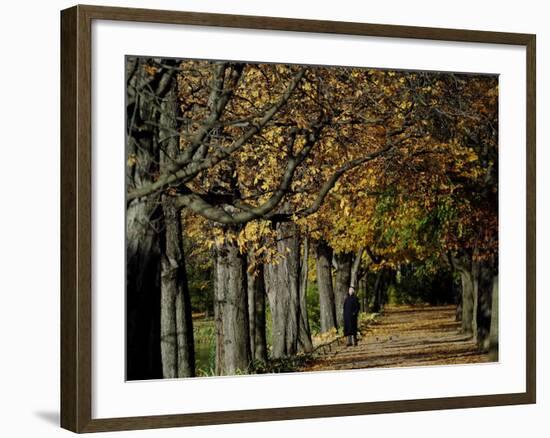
point(257, 194)
point(405, 336)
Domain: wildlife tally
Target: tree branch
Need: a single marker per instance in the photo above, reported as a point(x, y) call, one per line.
point(188, 172)
point(200, 205)
point(329, 184)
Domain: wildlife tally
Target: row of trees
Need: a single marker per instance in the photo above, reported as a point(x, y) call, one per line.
point(259, 166)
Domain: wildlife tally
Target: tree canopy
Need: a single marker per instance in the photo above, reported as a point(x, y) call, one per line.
point(250, 163)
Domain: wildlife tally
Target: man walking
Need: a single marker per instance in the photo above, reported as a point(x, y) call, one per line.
point(351, 311)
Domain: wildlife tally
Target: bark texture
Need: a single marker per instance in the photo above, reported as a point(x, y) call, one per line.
point(342, 282)
point(467, 319)
point(304, 332)
point(142, 294)
point(356, 268)
point(485, 301)
point(143, 222)
point(233, 341)
point(219, 292)
point(256, 313)
point(324, 284)
point(283, 283)
point(476, 303)
point(177, 344)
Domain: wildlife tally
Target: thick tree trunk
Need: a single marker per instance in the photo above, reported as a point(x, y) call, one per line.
point(283, 283)
point(470, 300)
point(324, 285)
point(304, 332)
point(168, 292)
point(184, 325)
point(143, 220)
point(470, 275)
point(256, 313)
point(232, 310)
point(142, 294)
point(177, 345)
point(493, 336)
point(342, 279)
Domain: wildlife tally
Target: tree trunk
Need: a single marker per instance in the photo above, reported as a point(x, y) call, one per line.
point(168, 292)
point(485, 301)
point(458, 299)
point(355, 268)
point(342, 279)
point(389, 282)
point(232, 309)
point(467, 302)
point(184, 325)
point(177, 345)
point(143, 220)
point(384, 278)
point(251, 286)
point(142, 294)
point(493, 336)
point(218, 276)
point(470, 274)
point(283, 291)
point(364, 294)
point(358, 279)
point(378, 287)
point(304, 332)
point(470, 299)
point(324, 285)
point(256, 313)
point(475, 277)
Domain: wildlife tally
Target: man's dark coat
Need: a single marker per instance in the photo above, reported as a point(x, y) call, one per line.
point(351, 310)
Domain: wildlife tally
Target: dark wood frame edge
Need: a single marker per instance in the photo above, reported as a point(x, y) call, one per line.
point(76, 341)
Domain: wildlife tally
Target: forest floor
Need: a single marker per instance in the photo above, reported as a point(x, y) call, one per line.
point(403, 336)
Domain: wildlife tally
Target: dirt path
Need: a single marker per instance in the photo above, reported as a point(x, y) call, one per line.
point(404, 336)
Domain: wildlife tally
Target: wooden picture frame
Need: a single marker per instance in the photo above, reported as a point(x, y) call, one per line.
point(76, 218)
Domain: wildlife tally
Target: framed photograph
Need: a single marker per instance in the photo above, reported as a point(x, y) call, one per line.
point(269, 218)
